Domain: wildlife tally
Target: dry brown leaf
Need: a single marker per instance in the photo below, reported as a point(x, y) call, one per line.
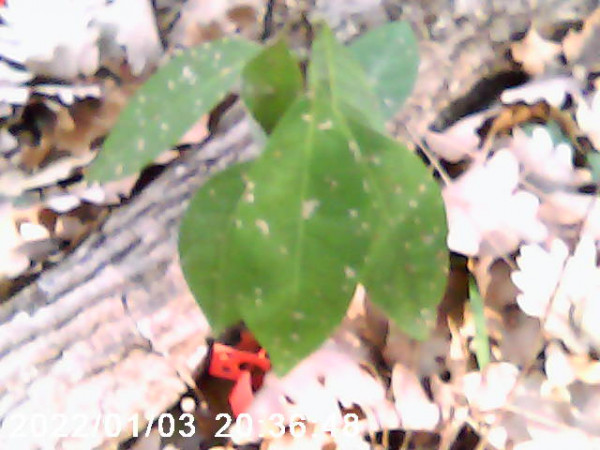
point(94, 118)
point(488, 390)
point(426, 358)
point(521, 338)
point(535, 53)
point(553, 91)
point(14, 182)
point(367, 320)
point(416, 411)
point(515, 337)
point(202, 21)
point(197, 132)
point(12, 262)
point(576, 42)
point(481, 268)
point(457, 142)
point(558, 368)
point(586, 369)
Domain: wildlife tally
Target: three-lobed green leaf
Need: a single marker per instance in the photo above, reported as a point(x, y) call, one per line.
point(282, 242)
point(168, 104)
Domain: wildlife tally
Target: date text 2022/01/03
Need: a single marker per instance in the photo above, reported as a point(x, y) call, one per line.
point(82, 426)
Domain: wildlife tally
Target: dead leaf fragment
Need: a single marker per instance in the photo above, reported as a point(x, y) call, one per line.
point(416, 411)
point(488, 390)
point(535, 53)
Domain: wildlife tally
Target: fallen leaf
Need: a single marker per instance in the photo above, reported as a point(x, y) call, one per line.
point(488, 390)
point(535, 53)
point(416, 411)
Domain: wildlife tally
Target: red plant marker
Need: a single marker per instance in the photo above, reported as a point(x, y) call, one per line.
point(246, 368)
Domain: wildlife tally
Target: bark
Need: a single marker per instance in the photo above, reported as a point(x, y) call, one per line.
point(114, 329)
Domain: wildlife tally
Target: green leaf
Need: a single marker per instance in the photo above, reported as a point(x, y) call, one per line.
point(203, 240)
point(168, 104)
point(389, 55)
point(481, 341)
point(405, 268)
point(335, 74)
point(270, 84)
point(329, 204)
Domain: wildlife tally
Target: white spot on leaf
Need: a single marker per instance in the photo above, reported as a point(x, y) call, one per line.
point(188, 75)
point(248, 195)
point(354, 149)
point(309, 207)
point(332, 183)
point(262, 226)
point(326, 125)
point(427, 239)
point(375, 160)
point(349, 272)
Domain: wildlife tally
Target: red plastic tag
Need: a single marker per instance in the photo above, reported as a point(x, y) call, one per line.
point(246, 368)
point(241, 396)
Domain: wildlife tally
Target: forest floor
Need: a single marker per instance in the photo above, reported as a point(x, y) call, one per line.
point(507, 105)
